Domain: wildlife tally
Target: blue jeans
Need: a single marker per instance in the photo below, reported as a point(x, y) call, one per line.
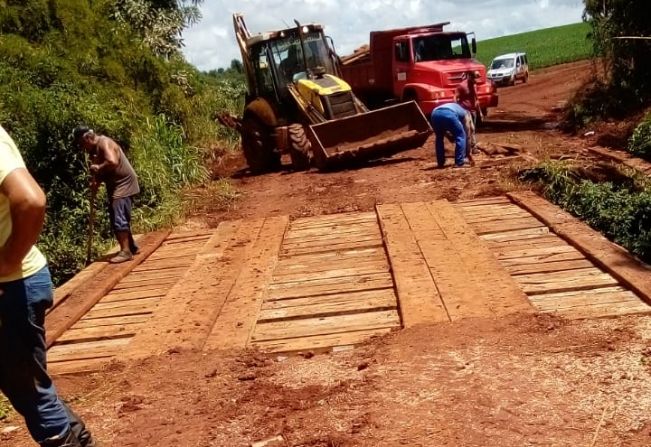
point(23, 372)
point(120, 217)
point(445, 120)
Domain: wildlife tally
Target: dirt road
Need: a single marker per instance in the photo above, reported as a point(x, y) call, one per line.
point(515, 381)
point(525, 117)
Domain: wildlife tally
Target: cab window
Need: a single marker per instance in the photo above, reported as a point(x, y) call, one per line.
point(402, 51)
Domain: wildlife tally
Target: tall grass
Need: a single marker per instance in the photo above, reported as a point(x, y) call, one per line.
point(620, 209)
point(545, 47)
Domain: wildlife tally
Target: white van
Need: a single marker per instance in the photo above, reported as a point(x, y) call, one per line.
point(508, 68)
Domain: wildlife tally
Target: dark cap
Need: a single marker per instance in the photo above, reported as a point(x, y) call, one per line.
point(79, 132)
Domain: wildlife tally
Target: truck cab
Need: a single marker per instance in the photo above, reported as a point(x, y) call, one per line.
point(428, 67)
point(422, 63)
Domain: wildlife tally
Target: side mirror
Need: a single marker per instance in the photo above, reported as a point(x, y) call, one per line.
point(473, 44)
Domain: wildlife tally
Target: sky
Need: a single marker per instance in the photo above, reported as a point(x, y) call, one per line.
point(210, 44)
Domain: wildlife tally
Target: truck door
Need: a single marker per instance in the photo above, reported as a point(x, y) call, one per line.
point(402, 62)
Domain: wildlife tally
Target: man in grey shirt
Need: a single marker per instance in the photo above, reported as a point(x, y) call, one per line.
point(110, 166)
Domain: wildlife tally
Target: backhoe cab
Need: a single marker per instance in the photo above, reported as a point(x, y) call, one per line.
point(297, 103)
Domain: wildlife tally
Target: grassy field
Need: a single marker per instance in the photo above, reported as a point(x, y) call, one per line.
point(544, 47)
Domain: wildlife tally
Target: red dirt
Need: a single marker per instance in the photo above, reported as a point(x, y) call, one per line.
point(517, 381)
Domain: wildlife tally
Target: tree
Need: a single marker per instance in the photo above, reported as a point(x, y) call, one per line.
point(160, 23)
point(613, 23)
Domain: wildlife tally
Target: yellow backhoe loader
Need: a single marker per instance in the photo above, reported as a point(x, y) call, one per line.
point(297, 103)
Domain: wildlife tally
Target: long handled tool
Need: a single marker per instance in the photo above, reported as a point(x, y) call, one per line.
point(91, 223)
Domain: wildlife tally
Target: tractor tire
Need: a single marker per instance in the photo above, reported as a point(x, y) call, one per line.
point(300, 148)
point(258, 146)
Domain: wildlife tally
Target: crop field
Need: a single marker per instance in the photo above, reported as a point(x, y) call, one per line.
point(544, 47)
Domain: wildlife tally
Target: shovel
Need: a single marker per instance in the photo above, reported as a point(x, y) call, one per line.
point(91, 222)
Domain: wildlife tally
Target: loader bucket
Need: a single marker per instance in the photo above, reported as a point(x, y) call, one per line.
point(367, 136)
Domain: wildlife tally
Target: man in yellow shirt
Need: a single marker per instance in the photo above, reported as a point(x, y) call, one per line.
point(25, 294)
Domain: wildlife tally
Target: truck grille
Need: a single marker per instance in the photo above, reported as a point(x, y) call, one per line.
point(339, 105)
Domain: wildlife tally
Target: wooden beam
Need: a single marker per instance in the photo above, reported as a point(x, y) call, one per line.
point(612, 258)
point(86, 295)
point(419, 298)
point(237, 317)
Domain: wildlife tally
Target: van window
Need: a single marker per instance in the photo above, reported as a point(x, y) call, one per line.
point(402, 51)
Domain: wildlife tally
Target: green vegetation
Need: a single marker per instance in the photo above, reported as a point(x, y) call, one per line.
point(620, 208)
point(626, 86)
point(544, 47)
point(5, 408)
point(640, 142)
point(65, 62)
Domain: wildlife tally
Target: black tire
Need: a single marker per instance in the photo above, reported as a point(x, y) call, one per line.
point(526, 77)
point(258, 146)
point(300, 147)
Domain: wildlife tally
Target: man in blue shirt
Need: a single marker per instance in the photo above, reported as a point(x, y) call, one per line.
point(451, 119)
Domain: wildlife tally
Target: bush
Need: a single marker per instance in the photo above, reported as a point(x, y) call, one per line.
point(620, 210)
point(65, 62)
point(640, 142)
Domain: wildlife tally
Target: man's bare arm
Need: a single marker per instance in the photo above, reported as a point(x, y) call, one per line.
point(27, 205)
point(109, 154)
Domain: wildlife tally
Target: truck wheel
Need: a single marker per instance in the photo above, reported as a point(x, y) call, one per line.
point(526, 77)
point(258, 146)
point(299, 147)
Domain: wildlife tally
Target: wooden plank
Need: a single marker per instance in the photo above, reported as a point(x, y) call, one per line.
point(334, 256)
point(329, 219)
point(453, 280)
point(308, 327)
point(283, 268)
point(489, 210)
point(541, 251)
point(548, 267)
point(77, 366)
point(145, 309)
point(589, 278)
point(183, 240)
point(320, 342)
point(235, 322)
point(493, 285)
point(99, 333)
point(515, 235)
point(330, 286)
point(542, 240)
point(205, 233)
point(135, 283)
point(84, 297)
point(127, 304)
point(139, 294)
point(483, 201)
point(189, 310)
point(65, 290)
point(578, 298)
point(420, 301)
point(86, 350)
point(335, 229)
point(375, 238)
point(111, 321)
point(569, 256)
point(333, 273)
point(327, 305)
point(606, 310)
point(140, 275)
point(614, 259)
point(331, 248)
point(502, 226)
point(150, 265)
point(513, 212)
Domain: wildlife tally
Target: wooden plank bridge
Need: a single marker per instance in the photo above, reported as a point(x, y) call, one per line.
point(337, 280)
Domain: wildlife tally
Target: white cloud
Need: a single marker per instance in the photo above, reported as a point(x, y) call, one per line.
point(211, 43)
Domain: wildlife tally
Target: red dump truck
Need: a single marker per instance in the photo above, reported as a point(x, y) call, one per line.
point(422, 63)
